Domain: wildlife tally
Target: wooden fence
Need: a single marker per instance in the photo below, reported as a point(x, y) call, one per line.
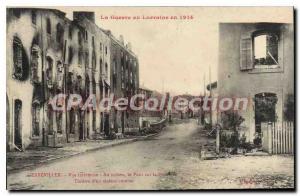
point(278, 137)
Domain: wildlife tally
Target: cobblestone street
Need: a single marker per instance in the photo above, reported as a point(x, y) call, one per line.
point(168, 161)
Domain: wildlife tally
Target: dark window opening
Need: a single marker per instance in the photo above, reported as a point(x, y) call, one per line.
point(106, 91)
point(79, 38)
point(93, 42)
point(70, 32)
point(49, 71)
point(48, 26)
point(94, 87)
point(86, 59)
point(33, 17)
point(71, 54)
point(122, 77)
point(114, 82)
point(87, 85)
point(50, 119)
point(106, 69)
point(94, 61)
point(35, 63)
point(79, 83)
point(101, 67)
point(35, 120)
point(86, 36)
point(59, 78)
point(59, 122)
point(18, 123)
point(20, 60)
point(17, 12)
point(115, 66)
point(72, 121)
point(70, 83)
point(59, 33)
point(80, 56)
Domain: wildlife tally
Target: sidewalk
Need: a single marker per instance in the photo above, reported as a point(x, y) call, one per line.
point(32, 158)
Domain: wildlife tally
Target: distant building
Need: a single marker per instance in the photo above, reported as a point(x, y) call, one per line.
point(145, 91)
point(149, 95)
point(186, 111)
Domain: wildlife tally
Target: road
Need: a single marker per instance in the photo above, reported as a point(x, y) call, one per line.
point(168, 161)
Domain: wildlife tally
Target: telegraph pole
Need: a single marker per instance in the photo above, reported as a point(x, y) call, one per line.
point(210, 108)
point(204, 91)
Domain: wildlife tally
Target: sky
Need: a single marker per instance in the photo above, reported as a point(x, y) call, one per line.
point(176, 55)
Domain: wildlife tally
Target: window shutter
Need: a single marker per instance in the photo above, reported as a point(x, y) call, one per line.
point(246, 59)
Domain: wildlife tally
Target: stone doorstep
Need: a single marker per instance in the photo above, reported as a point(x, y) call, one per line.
point(209, 155)
point(258, 153)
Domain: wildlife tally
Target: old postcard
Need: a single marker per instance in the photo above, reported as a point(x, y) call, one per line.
point(150, 98)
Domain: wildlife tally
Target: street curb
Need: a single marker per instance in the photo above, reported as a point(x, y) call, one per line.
point(50, 160)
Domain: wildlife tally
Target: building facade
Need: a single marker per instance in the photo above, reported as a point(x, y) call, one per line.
point(49, 54)
point(256, 61)
point(124, 83)
point(212, 115)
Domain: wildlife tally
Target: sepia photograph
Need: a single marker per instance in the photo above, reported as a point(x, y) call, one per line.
point(150, 98)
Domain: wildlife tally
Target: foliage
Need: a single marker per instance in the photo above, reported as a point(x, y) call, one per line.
point(257, 141)
point(245, 145)
point(234, 141)
point(289, 109)
point(229, 140)
point(231, 120)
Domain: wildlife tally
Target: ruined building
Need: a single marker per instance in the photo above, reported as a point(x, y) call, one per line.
point(256, 61)
point(48, 54)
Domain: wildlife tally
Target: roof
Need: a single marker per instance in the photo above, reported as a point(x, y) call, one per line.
point(56, 11)
point(144, 88)
point(113, 38)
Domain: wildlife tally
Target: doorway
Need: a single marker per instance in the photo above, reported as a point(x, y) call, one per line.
point(123, 122)
point(265, 111)
point(18, 124)
point(81, 127)
point(106, 124)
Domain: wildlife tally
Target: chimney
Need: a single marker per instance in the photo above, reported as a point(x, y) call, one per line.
point(121, 39)
point(128, 46)
point(81, 15)
point(108, 32)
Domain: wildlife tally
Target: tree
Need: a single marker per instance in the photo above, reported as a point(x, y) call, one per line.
point(231, 120)
point(289, 109)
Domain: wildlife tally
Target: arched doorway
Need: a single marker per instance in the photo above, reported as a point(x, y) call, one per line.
point(265, 111)
point(18, 123)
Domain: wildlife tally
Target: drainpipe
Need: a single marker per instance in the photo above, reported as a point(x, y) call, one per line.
point(43, 84)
